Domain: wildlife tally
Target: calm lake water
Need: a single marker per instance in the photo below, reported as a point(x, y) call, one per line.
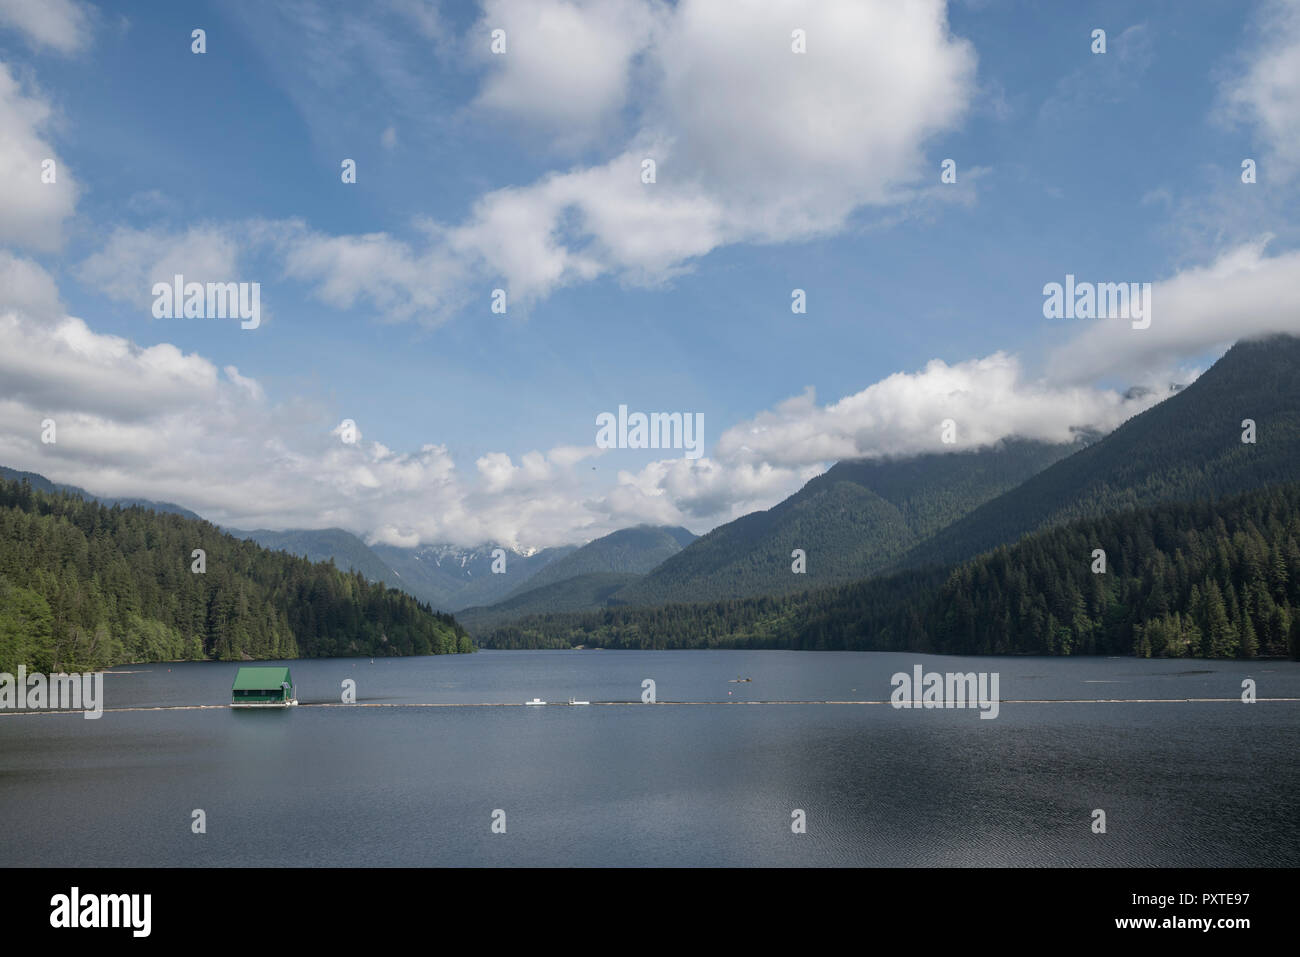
point(1198, 784)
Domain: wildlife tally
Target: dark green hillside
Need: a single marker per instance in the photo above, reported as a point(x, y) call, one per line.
point(855, 519)
point(1202, 579)
point(327, 544)
point(1205, 580)
point(1187, 447)
point(84, 586)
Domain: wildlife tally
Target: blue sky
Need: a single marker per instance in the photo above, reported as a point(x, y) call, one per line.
point(777, 171)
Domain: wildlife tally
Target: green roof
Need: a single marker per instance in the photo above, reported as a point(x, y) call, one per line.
point(261, 679)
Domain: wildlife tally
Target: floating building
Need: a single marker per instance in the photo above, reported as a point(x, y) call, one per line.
point(263, 688)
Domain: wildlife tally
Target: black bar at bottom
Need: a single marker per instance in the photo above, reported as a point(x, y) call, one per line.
point(612, 909)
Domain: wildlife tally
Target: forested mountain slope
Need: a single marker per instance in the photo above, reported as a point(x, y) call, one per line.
point(328, 544)
point(854, 519)
point(84, 586)
point(1201, 579)
point(1187, 447)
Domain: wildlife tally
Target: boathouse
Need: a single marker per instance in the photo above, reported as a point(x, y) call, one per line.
point(262, 686)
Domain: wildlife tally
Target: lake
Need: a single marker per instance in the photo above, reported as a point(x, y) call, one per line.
point(709, 783)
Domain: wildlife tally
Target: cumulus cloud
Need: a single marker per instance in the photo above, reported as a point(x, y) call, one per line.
point(60, 25)
point(701, 492)
point(28, 288)
point(581, 225)
point(752, 143)
point(792, 143)
point(1243, 293)
point(535, 468)
point(987, 399)
point(34, 211)
point(568, 62)
point(374, 268)
point(66, 367)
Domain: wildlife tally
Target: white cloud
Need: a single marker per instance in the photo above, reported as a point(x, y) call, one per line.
point(614, 224)
point(567, 64)
point(792, 143)
point(28, 288)
point(1266, 91)
point(249, 386)
point(132, 260)
point(1242, 294)
point(65, 367)
point(34, 211)
point(497, 470)
point(567, 456)
point(376, 268)
point(988, 399)
point(701, 492)
point(60, 25)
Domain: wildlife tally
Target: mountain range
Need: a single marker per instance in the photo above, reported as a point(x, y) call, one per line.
point(446, 577)
point(1206, 579)
point(1234, 430)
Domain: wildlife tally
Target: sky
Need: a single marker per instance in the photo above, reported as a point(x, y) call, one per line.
point(796, 145)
